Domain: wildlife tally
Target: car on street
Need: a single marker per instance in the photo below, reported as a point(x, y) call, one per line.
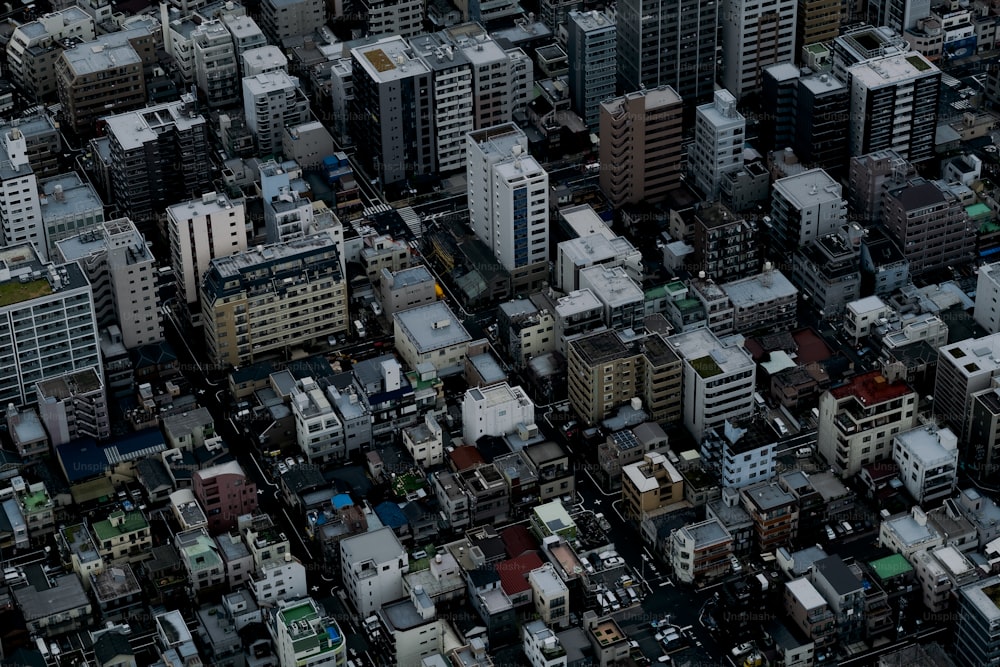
point(282, 468)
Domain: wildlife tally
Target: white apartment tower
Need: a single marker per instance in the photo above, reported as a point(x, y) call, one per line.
point(508, 202)
point(719, 133)
point(497, 411)
point(199, 231)
point(216, 64)
point(453, 106)
point(502, 80)
point(755, 35)
point(271, 102)
point(987, 311)
point(20, 210)
point(805, 207)
point(392, 17)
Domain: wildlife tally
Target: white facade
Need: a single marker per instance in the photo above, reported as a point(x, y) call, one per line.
point(279, 581)
point(216, 64)
point(424, 442)
point(453, 101)
point(542, 647)
point(807, 206)
point(496, 411)
point(20, 210)
point(392, 17)
point(580, 253)
point(863, 315)
point(744, 464)
point(372, 565)
point(319, 432)
point(550, 594)
point(719, 133)
point(928, 462)
point(964, 368)
point(987, 311)
point(201, 230)
point(718, 381)
point(271, 102)
point(754, 36)
point(304, 636)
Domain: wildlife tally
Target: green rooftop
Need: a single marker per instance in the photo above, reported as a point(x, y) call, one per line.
point(302, 612)
point(816, 48)
point(890, 566)
point(978, 210)
point(130, 523)
point(419, 384)
point(656, 293)
point(706, 367)
point(919, 63)
point(37, 500)
point(13, 291)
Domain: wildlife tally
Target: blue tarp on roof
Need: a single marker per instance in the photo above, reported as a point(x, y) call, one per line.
point(341, 500)
point(84, 459)
point(390, 514)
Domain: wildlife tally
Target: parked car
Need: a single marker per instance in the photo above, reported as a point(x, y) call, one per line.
point(282, 468)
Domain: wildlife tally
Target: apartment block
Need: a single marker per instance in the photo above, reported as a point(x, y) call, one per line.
point(763, 302)
point(225, 493)
point(650, 485)
point(319, 431)
point(591, 46)
point(27, 434)
point(983, 434)
point(424, 442)
point(586, 251)
point(640, 152)
point(810, 613)
point(719, 135)
point(495, 411)
point(35, 46)
point(123, 537)
point(726, 246)
point(392, 17)
point(928, 462)
point(858, 420)
point(69, 205)
point(305, 636)
point(754, 36)
point(987, 313)
point(73, 406)
point(271, 102)
point(930, 224)
point(805, 207)
point(700, 552)
point(607, 370)
point(740, 456)
point(828, 270)
point(303, 298)
point(20, 207)
point(283, 19)
point(774, 513)
point(550, 595)
point(96, 78)
point(78, 552)
point(964, 368)
point(431, 333)
point(216, 64)
point(621, 296)
point(373, 565)
point(451, 73)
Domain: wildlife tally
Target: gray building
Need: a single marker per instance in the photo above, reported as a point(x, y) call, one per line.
point(977, 635)
point(828, 271)
point(406, 289)
point(592, 49)
point(282, 19)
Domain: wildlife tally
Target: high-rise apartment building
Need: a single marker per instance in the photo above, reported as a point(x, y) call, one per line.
point(20, 208)
point(199, 231)
point(508, 203)
point(719, 134)
point(156, 154)
point(816, 22)
point(591, 45)
point(640, 145)
point(216, 64)
point(281, 19)
point(69, 206)
point(726, 245)
point(47, 325)
point(453, 104)
point(94, 79)
point(930, 224)
point(247, 35)
point(263, 302)
point(272, 102)
point(73, 406)
point(34, 48)
point(755, 35)
point(868, 178)
point(668, 43)
point(122, 270)
point(894, 105)
point(392, 17)
point(987, 311)
point(804, 208)
point(391, 113)
point(964, 368)
point(977, 628)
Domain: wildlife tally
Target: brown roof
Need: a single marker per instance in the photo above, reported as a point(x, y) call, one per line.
point(465, 457)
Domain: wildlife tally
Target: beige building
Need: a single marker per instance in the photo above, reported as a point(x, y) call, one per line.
point(123, 537)
point(640, 145)
point(263, 302)
point(431, 333)
point(606, 372)
point(809, 611)
point(95, 79)
point(649, 485)
point(701, 551)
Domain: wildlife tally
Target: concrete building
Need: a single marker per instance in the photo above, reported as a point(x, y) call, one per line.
point(816, 22)
point(857, 421)
point(216, 64)
point(319, 432)
point(495, 411)
point(863, 315)
point(247, 36)
point(586, 251)
point(391, 111)
point(775, 515)
point(892, 99)
point(754, 36)
point(607, 370)
point(69, 205)
point(282, 19)
point(987, 313)
point(405, 289)
point(725, 244)
point(930, 224)
point(964, 368)
point(766, 301)
point(983, 431)
point(372, 566)
point(502, 78)
point(719, 134)
point(591, 46)
point(123, 537)
point(94, 79)
point(828, 271)
point(621, 296)
point(650, 485)
point(73, 406)
point(640, 153)
point(304, 285)
point(271, 102)
point(200, 555)
point(740, 456)
point(928, 462)
point(810, 613)
point(199, 231)
point(701, 552)
point(550, 595)
point(20, 208)
point(542, 647)
point(668, 44)
point(392, 17)
point(55, 605)
point(225, 493)
point(49, 320)
point(452, 95)
point(804, 208)
point(122, 271)
point(718, 381)
point(424, 442)
point(431, 333)
point(844, 592)
point(34, 48)
point(305, 636)
point(509, 203)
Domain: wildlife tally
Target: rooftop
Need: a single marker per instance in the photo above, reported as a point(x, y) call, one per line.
point(806, 594)
point(388, 59)
point(119, 523)
point(707, 354)
point(871, 388)
point(929, 445)
point(68, 195)
point(707, 533)
point(761, 288)
point(768, 496)
point(431, 327)
point(612, 285)
point(76, 383)
point(984, 596)
point(114, 583)
point(99, 56)
point(892, 69)
point(809, 188)
point(133, 129)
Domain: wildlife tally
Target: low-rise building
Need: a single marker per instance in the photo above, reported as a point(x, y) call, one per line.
point(200, 555)
point(52, 606)
point(775, 515)
point(432, 333)
point(495, 411)
point(928, 462)
point(810, 613)
point(701, 552)
point(908, 533)
point(650, 485)
point(372, 566)
point(78, 552)
point(225, 493)
point(762, 302)
point(542, 647)
point(124, 537)
point(424, 442)
point(305, 636)
point(550, 595)
point(117, 592)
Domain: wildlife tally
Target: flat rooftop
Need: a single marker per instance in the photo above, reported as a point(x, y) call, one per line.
point(761, 288)
point(71, 384)
point(134, 129)
point(703, 350)
point(871, 388)
point(809, 188)
point(432, 326)
point(388, 59)
point(892, 69)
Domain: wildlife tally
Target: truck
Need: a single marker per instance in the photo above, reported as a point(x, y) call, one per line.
point(359, 329)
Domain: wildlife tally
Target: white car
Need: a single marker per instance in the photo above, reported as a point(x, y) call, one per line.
point(282, 468)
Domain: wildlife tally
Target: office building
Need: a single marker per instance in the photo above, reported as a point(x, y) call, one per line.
point(199, 231)
point(894, 105)
point(640, 148)
point(264, 302)
point(452, 95)
point(392, 17)
point(668, 44)
point(508, 203)
point(34, 48)
point(156, 154)
point(305, 635)
point(94, 79)
point(69, 206)
point(858, 421)
point(271, 102)
point(929, 222)
point(391, 112)
point(607, 371)
point(977, 635)
point(753, 36)
point(718, 381)
point(964, 368)
point(282, 19)
point(719, 135)
point(804, 208)
point(591, 45)
point(47, 322)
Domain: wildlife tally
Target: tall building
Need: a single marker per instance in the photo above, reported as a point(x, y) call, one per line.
point(392, 17)
point(591, 45)
point(94, 79)
point(894, 105)
point(156, 155)
point(858, 421)
point(281, 19)
point(726, 245)
point(987, 311)
point(868, 177)
point(719, 134)
point(508, 203)
point(74, 406)
point(804, 208)
point(303, 298)
point(247, 35)
point(668, 43)
point(640, 150)
point(391, 112)
point(122, 271)
point(718, 381)
point(199, 231)
point(20, 208)
point(34, 48)
point(977, 628)
point(272, 102)
point(817, 22)
point(964, 368)
point(755, 35)
point(47, 323)
point(69, 206)
point(216, 64)
point(930, 224)
point(305, 636)
point(452, 94)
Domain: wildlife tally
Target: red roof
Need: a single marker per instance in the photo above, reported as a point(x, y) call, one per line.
point(514, 572)
point(465, 457)
point(811, 347)
point(871, 388)
point(517, 540)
